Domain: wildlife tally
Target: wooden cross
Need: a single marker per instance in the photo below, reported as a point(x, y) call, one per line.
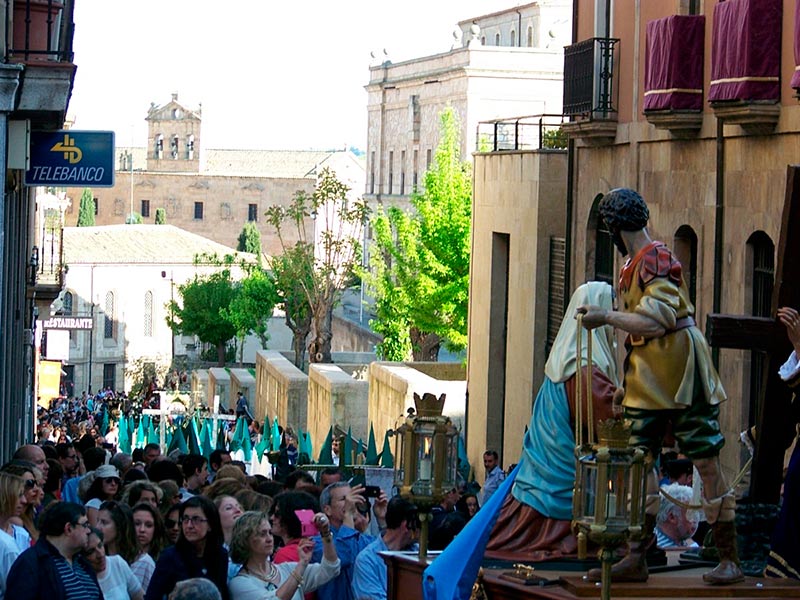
point(774, 431)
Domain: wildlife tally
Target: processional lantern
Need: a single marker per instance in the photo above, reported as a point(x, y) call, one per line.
point(610, 479)
point(426, 447)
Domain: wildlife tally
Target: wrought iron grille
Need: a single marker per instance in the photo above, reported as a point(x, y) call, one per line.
point(39, 30)
point(589, 69)
point(535, 132)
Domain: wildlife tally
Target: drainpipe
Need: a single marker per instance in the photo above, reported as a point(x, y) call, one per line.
point(570, 186)
point(719, 216)
point(519, 29)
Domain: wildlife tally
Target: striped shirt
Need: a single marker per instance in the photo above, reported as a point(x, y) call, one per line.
point(78, 583)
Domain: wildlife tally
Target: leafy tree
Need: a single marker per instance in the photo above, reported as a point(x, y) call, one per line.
point(252, 305)
point(161, 216)
point(202, 311)
point(293, 273)
point(86, 209)
point(134, 219)
point(335, 256)
point(249, 239)
point(420, 260)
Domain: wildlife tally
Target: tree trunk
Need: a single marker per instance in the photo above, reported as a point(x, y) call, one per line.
point(299, 346)
point(221, 354)
point(319, 350)
point(425, 346)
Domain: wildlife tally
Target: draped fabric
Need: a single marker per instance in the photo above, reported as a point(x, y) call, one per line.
point(796, 74)
point(674, 58)
point(746, 50)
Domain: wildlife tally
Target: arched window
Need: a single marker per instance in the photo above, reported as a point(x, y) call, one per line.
point(148, 314)
point(530, 36)
point(761, 276)
point(483, 40)
point(603, 247)
point(68, 299)
point(496, 39)
point(513, 38)
point(108, 329)
point(685, 246)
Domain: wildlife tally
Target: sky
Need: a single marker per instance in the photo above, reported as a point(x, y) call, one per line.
point(269, 74)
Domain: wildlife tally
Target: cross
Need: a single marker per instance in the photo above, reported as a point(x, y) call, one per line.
point(216, 416)
point(774, 431)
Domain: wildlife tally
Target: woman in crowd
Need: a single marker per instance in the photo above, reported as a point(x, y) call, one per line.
point(115, 577)
point(105, 486)
point(172, 523)
point(259, 578)
point(115, 520)
point(52, 485)
point(24, 528)
point(229, 510)
point(151, 539)
point(286, 525)
point(535, 519)
point(142, 491)
point(12, 503)
point(252, 500)
point(468, 504)
point(197, 553)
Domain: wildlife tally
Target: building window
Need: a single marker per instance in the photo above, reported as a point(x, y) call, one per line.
point(685, 246)
point(496, 39)
point(68, 303)
point(530, 36)
point(761, 263)
point(173, 146)
point(96, 206)
point(252, 212)
point(109, 373)
point(403, 172)
point(148, 314)
point(428, 159)
point(198, 211)
point(159, 147)
point(416, 118)
point(513, 38)
point(108, 326)
point(391, 173)
point(190, 147)
point(603, 245)
point(372, 172)
point(414, 179)
point(145, 208)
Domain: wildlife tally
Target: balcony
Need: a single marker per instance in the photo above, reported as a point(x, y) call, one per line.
point(590, 92)
point(38, 36)
point(537, 132)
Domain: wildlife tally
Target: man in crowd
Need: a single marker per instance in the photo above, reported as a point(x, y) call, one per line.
point(328, 476)
point(675, 525)
point(54, 567)
point(34, 454)
point(494, 474)
point(195, 469)
point(218, 457)
point(151, 453)
point(369, 573)
point(338, 502)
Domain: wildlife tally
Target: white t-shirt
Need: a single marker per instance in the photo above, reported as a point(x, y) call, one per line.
point(143, 568)
point(118, 581)
point(21, 537)
point(8, 554)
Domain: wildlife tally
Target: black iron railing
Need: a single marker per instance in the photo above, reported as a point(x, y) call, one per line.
point(39, 30)
point(589, 70)
point(537, 132)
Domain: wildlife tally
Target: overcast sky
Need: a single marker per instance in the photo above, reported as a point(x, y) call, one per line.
point(272, 75)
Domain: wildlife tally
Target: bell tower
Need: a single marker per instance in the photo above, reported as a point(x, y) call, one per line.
point(173, 138)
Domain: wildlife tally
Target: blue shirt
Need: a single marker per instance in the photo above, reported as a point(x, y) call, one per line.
point(493, 481)
point(369, 573)
point(349, 543)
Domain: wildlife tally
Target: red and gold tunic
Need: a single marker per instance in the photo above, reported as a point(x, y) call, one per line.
point(662, 373)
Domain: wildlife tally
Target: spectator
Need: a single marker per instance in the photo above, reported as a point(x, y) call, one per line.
point(151, 454)
point(54, 568)
point(675, 525)
point(195, 470)
point(259, 578)
point(494, 474)
point(12, 502)
point(468, 505)
point(172, 523)
point(229, 511)
point(105, 485)
point(151, 538)
point(142, 491)
point(443, 509)
point(195, 588)
point(69, 459)
point(115, 577)
point(218, 459)
point(197, 553)
point(33, 454)
point(52, 485)
point(298, 479)
point(286, 525)
point(25, 528)
point(369, 574)
point(330, 475)
point(679, 470)
point(252, 500)
point(115, 520)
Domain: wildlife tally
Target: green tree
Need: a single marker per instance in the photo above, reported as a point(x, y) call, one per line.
point(420, 260)
point(134, 219)
point(293, 273)
point(86, 209)
point(334, 258)
point(204, 301)
point(252, 306)
point(249, 239)
point(161, 216)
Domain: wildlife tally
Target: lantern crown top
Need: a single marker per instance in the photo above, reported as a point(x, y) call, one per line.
point(614, 433)
point(429, 405)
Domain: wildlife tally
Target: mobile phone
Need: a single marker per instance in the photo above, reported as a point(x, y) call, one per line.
point(307, 526)
point(371, 491)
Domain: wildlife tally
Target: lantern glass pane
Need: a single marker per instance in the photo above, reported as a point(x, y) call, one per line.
point(451, 463)
point(424, 475)
point(400, 467)
point(589, 478)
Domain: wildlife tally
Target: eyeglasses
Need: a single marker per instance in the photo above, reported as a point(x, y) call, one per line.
point(71, 456)
point(85, 524)
point(111, 480)
point(30, 484)
point(193, 520)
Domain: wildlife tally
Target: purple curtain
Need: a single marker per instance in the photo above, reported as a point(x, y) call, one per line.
point(796, 74)
point(673, 70)
point(746, 50)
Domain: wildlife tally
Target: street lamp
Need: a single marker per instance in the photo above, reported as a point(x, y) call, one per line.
point(427, 453)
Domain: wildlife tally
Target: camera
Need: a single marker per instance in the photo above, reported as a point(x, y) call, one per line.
point(371, 491)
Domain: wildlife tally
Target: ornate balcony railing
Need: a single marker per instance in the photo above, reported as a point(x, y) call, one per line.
point(536, 132)
point(589, 71)
point(39, 30)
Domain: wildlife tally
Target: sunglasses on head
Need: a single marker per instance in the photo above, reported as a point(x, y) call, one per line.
point(111, 480)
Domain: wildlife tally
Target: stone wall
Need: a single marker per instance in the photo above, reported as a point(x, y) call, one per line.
point(337, 395)
point(242, 380)
point(281, 390)
point(219, 384)
point(200, 386)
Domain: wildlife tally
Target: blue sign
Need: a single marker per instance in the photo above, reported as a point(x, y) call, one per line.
point(71, 159)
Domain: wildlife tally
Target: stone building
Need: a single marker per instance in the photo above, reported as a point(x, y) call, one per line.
point(212, 193)
point(490, 72)
point(703, 120)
